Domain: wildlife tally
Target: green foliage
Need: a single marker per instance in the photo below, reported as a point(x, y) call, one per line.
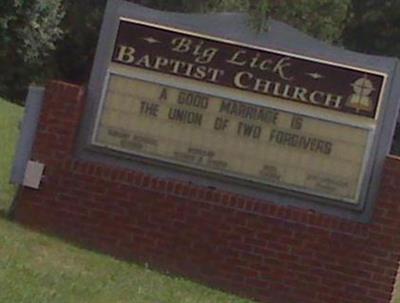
point(375, 27)
point(323, 19)
point(75, 52)
point(198, 6)
point(10, 118)
point(28, 31)
point(81, 25)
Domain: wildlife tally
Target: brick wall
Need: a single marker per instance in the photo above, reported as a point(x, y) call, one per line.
point(257, 249)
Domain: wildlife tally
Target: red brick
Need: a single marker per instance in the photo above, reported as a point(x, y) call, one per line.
point(250, 246)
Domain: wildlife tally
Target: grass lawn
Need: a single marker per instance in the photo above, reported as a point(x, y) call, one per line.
point(10, 117)
point(38, 269)
point(35, 268)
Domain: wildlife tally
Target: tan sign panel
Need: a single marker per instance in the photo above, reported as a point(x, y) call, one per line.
point(232, 138)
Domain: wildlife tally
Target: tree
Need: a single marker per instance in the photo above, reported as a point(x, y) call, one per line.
point(75, 52)
point(324, 19)
point(374, 27)
point(28, 31)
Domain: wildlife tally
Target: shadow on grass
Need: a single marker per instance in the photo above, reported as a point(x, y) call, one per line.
point(9, 213)
point(4, 215)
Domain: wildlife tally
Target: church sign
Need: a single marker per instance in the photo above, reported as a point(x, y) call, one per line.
point(257, 70)
point(202, 106)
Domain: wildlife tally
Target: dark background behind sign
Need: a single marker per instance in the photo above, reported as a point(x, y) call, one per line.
point(336, 80)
